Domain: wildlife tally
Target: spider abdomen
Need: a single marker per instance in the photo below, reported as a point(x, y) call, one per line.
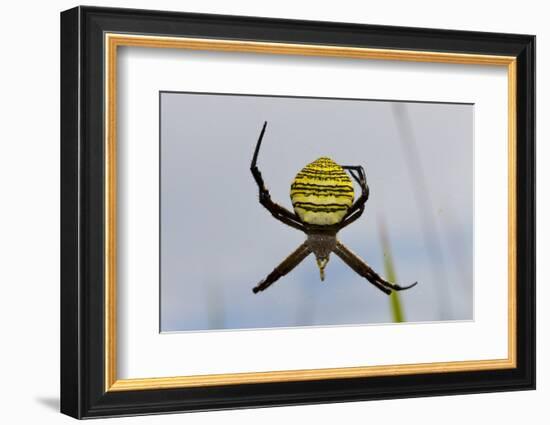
point(322, 192)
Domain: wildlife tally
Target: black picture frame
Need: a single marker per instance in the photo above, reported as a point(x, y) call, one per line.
point(83, 392)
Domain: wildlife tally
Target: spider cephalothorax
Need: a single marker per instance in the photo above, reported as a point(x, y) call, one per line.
point(324, 202)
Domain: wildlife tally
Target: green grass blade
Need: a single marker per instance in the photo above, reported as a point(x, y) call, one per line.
point(389, 271)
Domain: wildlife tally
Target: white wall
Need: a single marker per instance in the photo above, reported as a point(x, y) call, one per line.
point(29, 225)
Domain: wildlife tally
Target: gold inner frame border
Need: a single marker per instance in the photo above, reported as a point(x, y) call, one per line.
point(113, 40)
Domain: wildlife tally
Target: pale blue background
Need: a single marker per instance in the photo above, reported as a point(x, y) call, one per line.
point(217, 242)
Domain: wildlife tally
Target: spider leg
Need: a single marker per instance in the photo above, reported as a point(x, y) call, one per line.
point(280, 213)
point(351, 218)
point(288, 264)
point(288, 222)
point(355, 211)
point(364, 270)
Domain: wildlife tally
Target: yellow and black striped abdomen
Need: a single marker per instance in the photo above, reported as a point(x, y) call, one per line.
point(322, 193)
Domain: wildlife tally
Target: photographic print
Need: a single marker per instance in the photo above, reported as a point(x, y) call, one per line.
point(281, 212)
point(363, 194)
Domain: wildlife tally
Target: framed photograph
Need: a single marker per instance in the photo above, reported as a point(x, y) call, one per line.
point(261, 212)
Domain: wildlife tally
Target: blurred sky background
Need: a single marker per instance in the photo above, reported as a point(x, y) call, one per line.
point(217, 241)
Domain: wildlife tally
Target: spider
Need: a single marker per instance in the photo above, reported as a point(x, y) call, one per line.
point(322, 195)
